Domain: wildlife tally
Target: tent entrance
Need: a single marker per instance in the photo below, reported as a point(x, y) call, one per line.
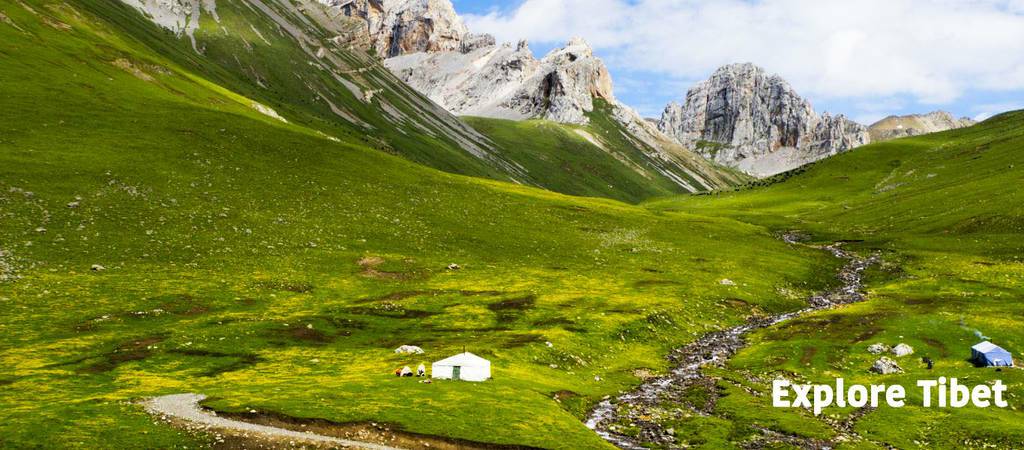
point(456, 372)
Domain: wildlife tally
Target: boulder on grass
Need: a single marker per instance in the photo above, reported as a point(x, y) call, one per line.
point(902, 350)
point(409, 350)
point(878, 349)
point(886, 366)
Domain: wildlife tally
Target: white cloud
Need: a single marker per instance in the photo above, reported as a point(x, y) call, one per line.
point(930, 50)
point(984, 111)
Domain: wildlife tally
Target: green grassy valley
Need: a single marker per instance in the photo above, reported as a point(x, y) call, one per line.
point(946, 214)
point(272, 268)
point(162, 233)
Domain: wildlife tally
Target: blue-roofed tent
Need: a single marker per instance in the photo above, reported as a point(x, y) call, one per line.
point(987, 354)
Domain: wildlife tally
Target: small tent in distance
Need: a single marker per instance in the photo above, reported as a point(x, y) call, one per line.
point(464, 366)
point(987, 354)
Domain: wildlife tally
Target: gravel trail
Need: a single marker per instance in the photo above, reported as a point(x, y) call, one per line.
point(186, 407)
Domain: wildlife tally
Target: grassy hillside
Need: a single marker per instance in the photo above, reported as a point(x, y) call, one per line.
point(946, 213)
point(295, 58)
point(274, 268)
point(284, 55)
point(599, 160)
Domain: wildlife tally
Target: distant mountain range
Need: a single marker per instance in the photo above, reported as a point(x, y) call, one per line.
point(894, 127)
point(741, 119)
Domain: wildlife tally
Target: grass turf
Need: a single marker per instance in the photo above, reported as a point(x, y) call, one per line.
point(946, 214)
point(270, 267)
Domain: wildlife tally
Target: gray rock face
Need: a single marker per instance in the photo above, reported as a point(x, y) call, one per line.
point(744, 117)
point(878, 349)
point(399, 27)
point(180, 16)
point(886, 366)
point(509, 82)
point(902, 350)
point(894, 127)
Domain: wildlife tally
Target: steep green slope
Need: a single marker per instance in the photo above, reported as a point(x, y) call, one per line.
point(946, 213)
point(293, 58)
point(599, 160)
point(299, 59)
point(159, 234)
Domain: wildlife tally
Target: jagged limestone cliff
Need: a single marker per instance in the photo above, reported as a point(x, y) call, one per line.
point(744, 117)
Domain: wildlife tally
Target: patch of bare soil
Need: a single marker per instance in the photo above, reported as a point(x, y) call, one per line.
point(370, 265)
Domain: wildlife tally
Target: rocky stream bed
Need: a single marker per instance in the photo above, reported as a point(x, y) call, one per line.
point(638, 407)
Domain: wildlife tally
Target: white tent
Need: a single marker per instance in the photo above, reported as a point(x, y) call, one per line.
point(464, 366)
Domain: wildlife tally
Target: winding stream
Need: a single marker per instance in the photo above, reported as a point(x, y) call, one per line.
point(713, 349)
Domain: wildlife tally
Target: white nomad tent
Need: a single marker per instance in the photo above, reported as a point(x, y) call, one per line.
point(464, 366)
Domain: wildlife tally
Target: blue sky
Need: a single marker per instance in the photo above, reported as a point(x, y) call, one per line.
point(866, 59)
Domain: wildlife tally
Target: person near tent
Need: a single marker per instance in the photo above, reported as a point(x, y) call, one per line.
point(421, 371)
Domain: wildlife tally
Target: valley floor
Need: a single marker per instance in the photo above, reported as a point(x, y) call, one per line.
point(159, 235)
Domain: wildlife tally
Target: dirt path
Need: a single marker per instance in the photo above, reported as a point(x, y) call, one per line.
point(715, 349)
point(185, 407)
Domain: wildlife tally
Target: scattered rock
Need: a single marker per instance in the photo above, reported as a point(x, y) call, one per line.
point(727, 282)
point(878, 349)
point(409, 350)
point(643, 374)
point(8, 270)
point(454, 266)
point(886, 366)
point(97, 268)
point(902, 350)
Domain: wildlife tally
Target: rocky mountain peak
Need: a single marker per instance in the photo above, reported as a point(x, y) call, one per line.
point(508, 82)
point(578, 44)
point(398, 27)
point(744, 117)
point(894, 127)
point(576, 72)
